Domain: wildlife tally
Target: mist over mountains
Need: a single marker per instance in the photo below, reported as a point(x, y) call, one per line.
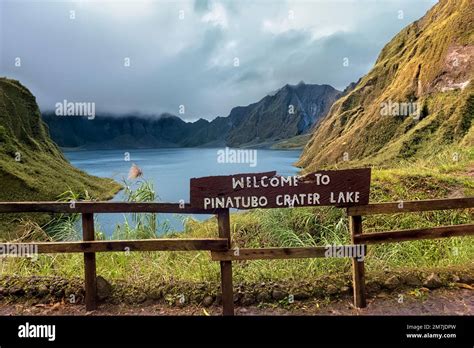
point(291, 111)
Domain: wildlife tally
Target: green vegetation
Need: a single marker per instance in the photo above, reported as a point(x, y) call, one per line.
point(297, 142)
point(32, 167)
point(429, 158)
point(290, 227)
point(428, 63)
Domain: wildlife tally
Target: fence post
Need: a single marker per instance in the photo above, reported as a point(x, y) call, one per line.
point(223, 221)
point(89, 263)
point(358, 268)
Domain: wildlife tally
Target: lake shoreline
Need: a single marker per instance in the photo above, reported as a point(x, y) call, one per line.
point(264, 146)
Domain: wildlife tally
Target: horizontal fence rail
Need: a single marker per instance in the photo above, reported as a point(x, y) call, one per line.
point(100, 207)
point(411, 206)
point(415, 234)
point(271, 253)
point(220, 247)
point(182, 244)
point(356, 213)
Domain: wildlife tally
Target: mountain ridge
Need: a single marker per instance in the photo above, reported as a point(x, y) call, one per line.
point(428, 63)
point(262, 123)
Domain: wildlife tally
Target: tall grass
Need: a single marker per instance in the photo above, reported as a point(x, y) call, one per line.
point(67, 227)
point(140, 225)
point(292, 227)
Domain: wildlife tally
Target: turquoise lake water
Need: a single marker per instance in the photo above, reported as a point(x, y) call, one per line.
point(170, 170)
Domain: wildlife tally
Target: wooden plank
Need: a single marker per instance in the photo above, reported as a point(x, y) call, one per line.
point(340, 188)
point(268, 254)
point(223, 221)
point(358, 266)
point(223, 225)
point(100, 207)
point(416, 234)
point(90, 277)
point(411, 206)
point(227, 288)
point(127, 245)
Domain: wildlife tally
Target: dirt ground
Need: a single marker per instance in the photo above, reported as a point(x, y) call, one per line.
point(436, 302)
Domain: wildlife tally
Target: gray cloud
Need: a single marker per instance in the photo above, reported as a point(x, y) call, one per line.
point(190, 61)
point(201, 6)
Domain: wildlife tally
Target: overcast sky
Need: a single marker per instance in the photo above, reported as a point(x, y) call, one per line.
point(186, 52)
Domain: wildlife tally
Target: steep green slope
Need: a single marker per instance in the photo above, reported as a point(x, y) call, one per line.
point(428, 64)
point(32, 167)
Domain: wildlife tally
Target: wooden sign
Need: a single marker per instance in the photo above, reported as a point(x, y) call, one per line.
point(342, 188)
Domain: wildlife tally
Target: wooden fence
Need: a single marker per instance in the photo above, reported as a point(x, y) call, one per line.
point(220, 247)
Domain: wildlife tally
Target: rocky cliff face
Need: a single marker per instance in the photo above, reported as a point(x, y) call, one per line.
point(417, 99)
point(291, 111)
